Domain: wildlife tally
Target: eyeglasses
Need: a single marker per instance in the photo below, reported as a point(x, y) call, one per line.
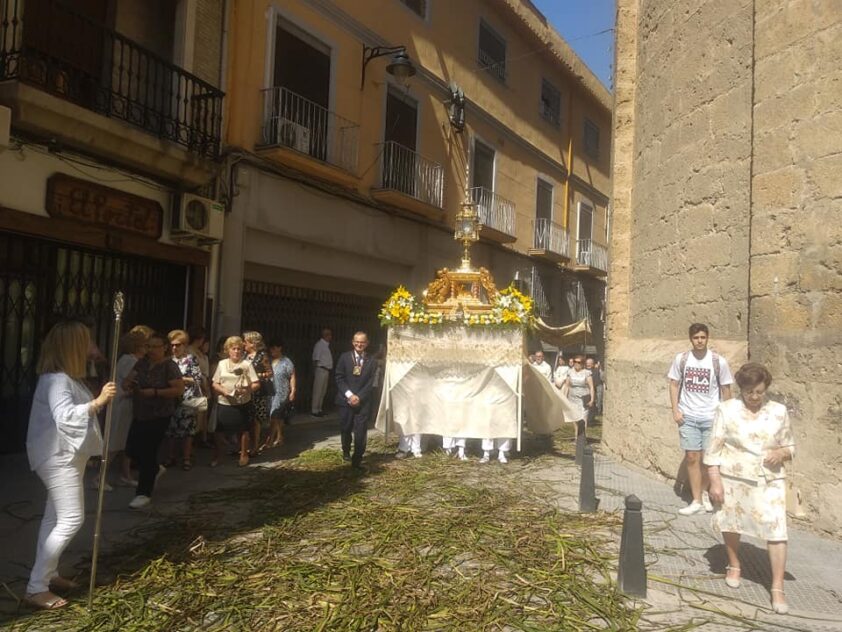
point(177, 344)
point(577, 362)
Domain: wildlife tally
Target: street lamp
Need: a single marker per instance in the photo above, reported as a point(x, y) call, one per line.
point(401, 65)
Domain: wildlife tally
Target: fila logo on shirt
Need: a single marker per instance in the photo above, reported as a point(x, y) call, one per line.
point(697, 380)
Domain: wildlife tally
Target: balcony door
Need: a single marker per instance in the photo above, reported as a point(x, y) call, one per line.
point(400, 166)
point(482, 175)
point(65, 47)
point(300, 95)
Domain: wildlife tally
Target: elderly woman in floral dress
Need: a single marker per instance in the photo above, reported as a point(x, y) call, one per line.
point(751, 442)
point(183, 424)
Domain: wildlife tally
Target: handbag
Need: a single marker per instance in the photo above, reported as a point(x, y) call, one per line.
point(242, 390)
point(199, 403)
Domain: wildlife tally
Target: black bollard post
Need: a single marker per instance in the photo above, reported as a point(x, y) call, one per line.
point(581, 441)
point(631, 576)
point(588, 502)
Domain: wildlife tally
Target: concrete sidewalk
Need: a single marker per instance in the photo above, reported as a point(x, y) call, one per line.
point(685, 558)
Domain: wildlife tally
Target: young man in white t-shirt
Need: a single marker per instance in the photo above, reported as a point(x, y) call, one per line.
point(699, 379)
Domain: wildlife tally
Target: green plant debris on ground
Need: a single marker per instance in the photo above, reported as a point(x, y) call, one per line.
point(420, 544)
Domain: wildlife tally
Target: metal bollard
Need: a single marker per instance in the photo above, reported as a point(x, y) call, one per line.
point(631, 575)
point(581, 441)
point(588, 502)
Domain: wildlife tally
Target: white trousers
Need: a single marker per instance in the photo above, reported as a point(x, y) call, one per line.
point(320, 379)
point(448, 443)
point(63, 516)
point(504, 445)
point(410, 443)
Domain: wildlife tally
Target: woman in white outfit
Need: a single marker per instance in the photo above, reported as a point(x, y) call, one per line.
point(63, 434)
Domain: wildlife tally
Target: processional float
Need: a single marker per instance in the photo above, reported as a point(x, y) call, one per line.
point(456, 364)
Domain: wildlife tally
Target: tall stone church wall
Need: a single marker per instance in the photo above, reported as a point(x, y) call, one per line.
point(727, 209)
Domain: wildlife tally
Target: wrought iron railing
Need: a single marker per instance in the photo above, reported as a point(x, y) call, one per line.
point(491, 65)
point(591, 254)
point(290, 120)
point(552, 237)
point(409, 172)
point(46, 43)
point(494, 210)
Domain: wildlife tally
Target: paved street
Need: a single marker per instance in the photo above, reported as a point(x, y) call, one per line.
point(684, 557)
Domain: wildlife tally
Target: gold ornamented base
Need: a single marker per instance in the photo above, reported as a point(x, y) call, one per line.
point(464, 290)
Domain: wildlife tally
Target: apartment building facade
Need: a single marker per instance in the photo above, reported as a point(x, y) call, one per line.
point(348, 173)
point(110, 128)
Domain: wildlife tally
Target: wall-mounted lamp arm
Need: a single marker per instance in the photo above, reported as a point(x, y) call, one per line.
point(371, 52)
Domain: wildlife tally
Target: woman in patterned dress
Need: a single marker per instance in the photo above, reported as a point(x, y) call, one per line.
point(750, 443)
point(259, 407)
point(183, 424)
point(284, 379)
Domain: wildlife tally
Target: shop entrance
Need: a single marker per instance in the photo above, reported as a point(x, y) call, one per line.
point(43, 281)
point(297, 315)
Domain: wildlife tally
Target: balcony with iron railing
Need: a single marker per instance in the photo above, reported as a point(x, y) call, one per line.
point(308, 134)
point(591, 257)
point(496, 215)
point(410, 181)
point(49, 46)
point(551, 242)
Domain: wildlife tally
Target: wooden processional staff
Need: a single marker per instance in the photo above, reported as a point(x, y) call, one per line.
point(118, 305)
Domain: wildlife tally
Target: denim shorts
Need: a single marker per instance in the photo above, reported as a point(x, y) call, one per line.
point(695, 433)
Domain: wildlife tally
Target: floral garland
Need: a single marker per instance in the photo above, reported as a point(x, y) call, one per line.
point(510, 308)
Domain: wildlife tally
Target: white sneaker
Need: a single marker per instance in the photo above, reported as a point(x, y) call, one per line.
point(485, 458)
point(706, 502)
point(502, 457)
point(161, 471)
point(139, 502)
point(417, 455)
point(107, 487)
point(462, 456)
point(691, 509)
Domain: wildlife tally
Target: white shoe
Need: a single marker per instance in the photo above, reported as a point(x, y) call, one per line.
point(139, 502)
point(400, 454)
point(485, 458)
point(107, 488)
point(161, 471)
point(417, 455)
point(706, 502)
point(502, 457)
point(691, 509)
point(462, 456)
point(448, 451)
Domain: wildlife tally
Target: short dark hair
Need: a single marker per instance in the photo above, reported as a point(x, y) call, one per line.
point(751, 374)
point(275, 342)
point(696, 328)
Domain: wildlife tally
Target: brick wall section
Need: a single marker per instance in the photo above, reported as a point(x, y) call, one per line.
point(208, 49)
point(796, 253)
point(733, 218)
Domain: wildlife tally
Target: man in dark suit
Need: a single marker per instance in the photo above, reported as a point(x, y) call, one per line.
point(355, 373)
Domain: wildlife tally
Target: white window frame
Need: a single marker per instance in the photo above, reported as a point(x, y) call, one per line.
point(551, 183)
point(589, 205)
point(274, 14)
point(476, 138)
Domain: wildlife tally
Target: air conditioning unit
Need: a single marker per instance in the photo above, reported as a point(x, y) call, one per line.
point(295, 135)
point(197, 218)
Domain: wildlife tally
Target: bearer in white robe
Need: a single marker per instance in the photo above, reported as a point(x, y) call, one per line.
point(448, 444)
point(500, 444)
point(409, 443)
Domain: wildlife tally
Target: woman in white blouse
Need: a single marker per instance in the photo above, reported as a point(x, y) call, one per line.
point(750, 442)
point(234, 382)
point(63, 434)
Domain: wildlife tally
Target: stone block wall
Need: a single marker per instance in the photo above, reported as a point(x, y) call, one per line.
point(726, 210)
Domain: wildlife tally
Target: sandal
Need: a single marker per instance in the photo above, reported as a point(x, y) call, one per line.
point(732, 582)
point(186, 465)
point(62, 583)
point(45, 601)
point(779, 607)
